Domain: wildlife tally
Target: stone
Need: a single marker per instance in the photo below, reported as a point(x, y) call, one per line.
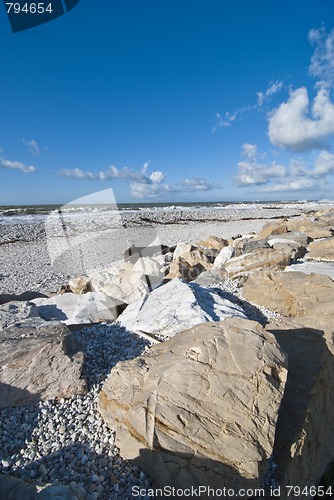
point(326, 268)
point(293, 294)
point(180, 268)
point(258, 259)
point(304, 438)
point(25, 296)
point(73, 309)
point(313, 228)
point(15, 312)
point(175, 306)
point(321, 250)
point(127, 281)
point(80, 285)
point(16, 489)
point(39, 360)
point(212, 278)
point(200, 408)
point(273, 229)
point(213, 242)
point(224, 255)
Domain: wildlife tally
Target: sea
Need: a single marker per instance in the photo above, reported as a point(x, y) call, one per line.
point(21, 214)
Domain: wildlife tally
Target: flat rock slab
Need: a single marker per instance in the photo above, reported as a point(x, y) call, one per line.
point(175, 306)
point(12, 313)
point(322, 250)
point(74, 309)
point(257, 259)
point(200, 408)
point(325, 268)
point(39, 360)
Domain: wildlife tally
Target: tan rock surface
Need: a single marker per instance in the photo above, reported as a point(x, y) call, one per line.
point(213, 242)
point(258, 259)
point(200, 408)
point(322, 250)
point(313, 228)
point(39, 360)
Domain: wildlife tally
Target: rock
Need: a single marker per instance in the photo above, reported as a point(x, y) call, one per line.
point(80, 285)
point(184, 305)
point(253, 244)
point(313, 267)
point(266, 258)
point(296, 239)
point(73, 309)
point(224, 255)
point(180, 268)
point(15, 489)
point(190, 410)
point(12, 313)
point(25, 296)
point(39, 360)
point(313, 228)
point(304, 438)
point(190, 261)
point(211, 278)
point(321, 250)
point(213, 242)
point(273, 229)
point(293, 294)
point(128, 282)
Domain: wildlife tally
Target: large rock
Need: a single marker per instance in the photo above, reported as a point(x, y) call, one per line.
point(39, 360)
point(73, 309)
point(322, 250)
point(16, 489)
point(293, 294)
point(175, 306)
point(128, 281)
point(190, 261)
point(310, 267)
point(201, 408)
point(304, 440)
point(213, 242)
point(258, 259)
point(224, 255)
point(312, 227)
point(15, 312)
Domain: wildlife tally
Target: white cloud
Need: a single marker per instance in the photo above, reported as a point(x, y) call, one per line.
point(142, 184)
point(291, 185)
point(271, 90)
point(33, 147)
point(16, 165)
point(290, 127)
point(322, 61)
point(251, 172)
point(324, 164)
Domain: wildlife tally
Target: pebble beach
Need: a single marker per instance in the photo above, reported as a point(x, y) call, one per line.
point(66, 442)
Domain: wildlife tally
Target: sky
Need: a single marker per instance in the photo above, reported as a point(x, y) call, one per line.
point(226, 100)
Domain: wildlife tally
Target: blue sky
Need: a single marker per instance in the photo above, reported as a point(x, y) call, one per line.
point(170, 101)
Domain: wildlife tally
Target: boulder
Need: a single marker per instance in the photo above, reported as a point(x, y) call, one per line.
point(273, 229)
point(293, 294)
point(175, 306)
point(310, 267)
point(16, 489)
point(212, 278)
point(313, 228)
point(128, 281)
point(73, 309)
point(39, 360)
point(224, 255)
point(322, 250)
point(201, 408)
point(304, 440)
point(12, 313)
point(80, 285)
point(241, 266)
point(213, 242)
point(180, 268)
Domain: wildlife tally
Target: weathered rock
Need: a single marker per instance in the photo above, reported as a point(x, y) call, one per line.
point(128, 281)
point(304, 438)
point(321, 250)
point(273, 229)
point(224, 255)
point(80, 285)
point(310, 267)
point(15, 489)
point(73, 309)
point(180, 268)
point(212, 278)
point(39, 360)
point(293, 294)
point(200, 408)
point(25, 296)
point(266, 258)
point(213, 242)
point(313, 228)
point(12, 313)
point(294, 238)
point(175, 306)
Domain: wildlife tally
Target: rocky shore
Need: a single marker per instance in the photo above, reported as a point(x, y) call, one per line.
point(193, 356)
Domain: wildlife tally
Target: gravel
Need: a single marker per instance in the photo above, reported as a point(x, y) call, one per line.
point(66, 441)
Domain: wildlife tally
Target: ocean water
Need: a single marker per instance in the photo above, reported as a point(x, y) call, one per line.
point(21, 214)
